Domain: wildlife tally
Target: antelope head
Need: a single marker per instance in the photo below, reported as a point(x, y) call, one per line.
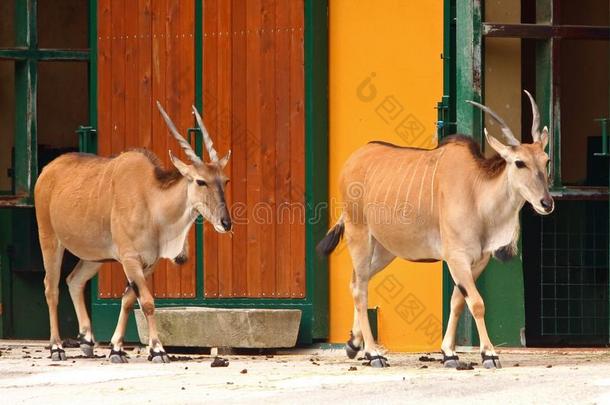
point(206, 181)
point(527, 163)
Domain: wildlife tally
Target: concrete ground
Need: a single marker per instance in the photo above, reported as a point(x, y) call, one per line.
point(27, 375)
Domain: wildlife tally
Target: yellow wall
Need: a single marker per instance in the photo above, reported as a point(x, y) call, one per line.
point(385, 80)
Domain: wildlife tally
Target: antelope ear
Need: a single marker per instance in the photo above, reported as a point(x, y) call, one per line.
point(182, 167)
point(544, 137)
point(498, 146)
point(223, 162)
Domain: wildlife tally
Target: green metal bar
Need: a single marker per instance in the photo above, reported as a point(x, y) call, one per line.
point(469, 82)
point(25, 127)
point(199, 242)
point(93, 71)
point(449, 102)
point(93, 108)
point(200, 248)
point(548, 101)
point(23, 10)
point(316, 158)
point(469, 67)
point(87, 139)
point(25, 168)
point(44, 54)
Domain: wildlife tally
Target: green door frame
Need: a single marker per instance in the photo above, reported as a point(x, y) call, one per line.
point(314, 307)
point(501, 284)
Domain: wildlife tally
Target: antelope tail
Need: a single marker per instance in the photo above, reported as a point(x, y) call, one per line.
point(332, 238)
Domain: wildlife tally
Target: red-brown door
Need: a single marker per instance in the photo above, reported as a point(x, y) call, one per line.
point(145, 53)
point(253, 94)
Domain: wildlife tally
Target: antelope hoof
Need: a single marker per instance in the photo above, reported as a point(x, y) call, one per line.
point(377, 361)
point(58, 354)
point(117, 356)
point(491, 361)
point(351, 349)
point(158, 357)
point(87, 350)
point(451, 361)
point(86, 346)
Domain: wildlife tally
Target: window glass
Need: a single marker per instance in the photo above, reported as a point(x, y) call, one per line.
point(58, 121)
point(584, 12)
point(63, 24)
point(583, 98)
point(7, 30)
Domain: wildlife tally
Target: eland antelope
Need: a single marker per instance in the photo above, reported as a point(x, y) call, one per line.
point(450, 204)
point(127, 209)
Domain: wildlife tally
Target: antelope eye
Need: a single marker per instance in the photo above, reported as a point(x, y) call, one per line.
point(201, 183)
point(520, 164)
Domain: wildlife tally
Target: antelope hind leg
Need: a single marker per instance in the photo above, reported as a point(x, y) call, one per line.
point(77, 280)
point(368, 258)
point(52, 253)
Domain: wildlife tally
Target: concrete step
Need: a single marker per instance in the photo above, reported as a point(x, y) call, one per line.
point(222, 327)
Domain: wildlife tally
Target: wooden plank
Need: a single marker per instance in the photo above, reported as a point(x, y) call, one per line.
point(253, 119)
point(210, 109)
point(239, 157)
point(131, 81)
point(172, 106)
point(187, 91)
point(117, 60)
point(267, 148)
point(144, 80)
point(297, 148)
point(159, 142)
point(222, 137)
point(282, 149)
point(144, 86)
point(104, 107)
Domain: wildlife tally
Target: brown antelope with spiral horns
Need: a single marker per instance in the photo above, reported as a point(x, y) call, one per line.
point(450, 204)
point(127, 209)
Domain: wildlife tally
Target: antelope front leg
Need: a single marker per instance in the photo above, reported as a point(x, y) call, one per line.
point(117, 355)
point(137, 284)
point(464, 280)
point(450, 358)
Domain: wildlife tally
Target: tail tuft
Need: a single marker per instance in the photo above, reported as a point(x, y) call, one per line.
point(331, 240)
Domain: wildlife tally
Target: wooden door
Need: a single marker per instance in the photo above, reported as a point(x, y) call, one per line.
point(145, 53)
point(253, 95)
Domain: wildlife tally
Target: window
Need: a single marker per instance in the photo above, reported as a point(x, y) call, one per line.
point(34, 111)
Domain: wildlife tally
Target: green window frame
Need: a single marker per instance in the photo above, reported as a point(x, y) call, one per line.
point(26, 55)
